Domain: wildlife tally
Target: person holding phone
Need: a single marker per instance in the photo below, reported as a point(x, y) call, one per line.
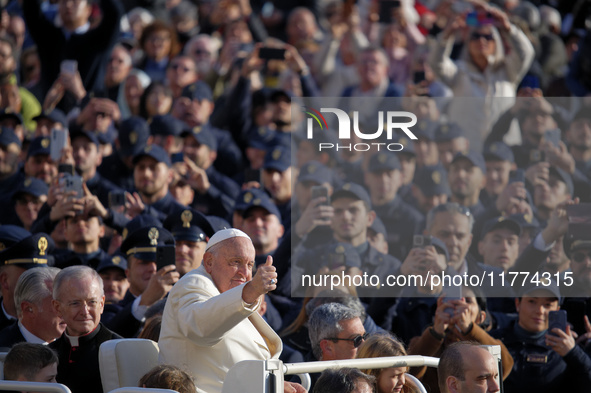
point(147, 283)
point(463, 319)
point(484, 54)
point(89, 46)
point(544, 360)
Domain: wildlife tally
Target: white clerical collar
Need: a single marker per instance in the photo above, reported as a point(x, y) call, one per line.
point(74, 340)
point(30, 337)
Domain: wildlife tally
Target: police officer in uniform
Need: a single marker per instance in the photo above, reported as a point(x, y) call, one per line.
point(21, 251)
point(191, 231)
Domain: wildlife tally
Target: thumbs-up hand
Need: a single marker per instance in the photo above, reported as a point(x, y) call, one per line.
point(264, 281)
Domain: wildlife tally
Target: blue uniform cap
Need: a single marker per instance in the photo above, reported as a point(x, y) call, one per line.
point(32, 251)
point(7, 113)
point(56, 116)
point(474, 157)
point(384, 161)
point(278, 158)
point(501, 222)
point(198, 91)
point(351, 190)
point(154, 151)
point(190, 225)
point(166, 125)
point(314, 171)
point(448, 132)
point(432, 180)
point(498, 151)
point(204, 135)
point(39, 146)
point(142, 243)
point(133, 136)
point(31, 186)
point(115, 261)
point(92, 136)
point(7, 136)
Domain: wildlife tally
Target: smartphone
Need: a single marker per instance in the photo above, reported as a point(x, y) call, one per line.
point(459, 7)
point(553, 136)
point(252, 175)
point(177, 157)
point(517, 175)
point(579, 213)
point(165, 256)
point(66, 168)
point(477, 19)
point(69, 66)
point(320, 191)
point(452, 293)
point(58, 141)
point(556, 319)
point(266, 53)
point(74, 183)
point(386, 8)
point(116, 199)
point(421, 241)
point(536, 156)
point(336, 260)
point(418, 77)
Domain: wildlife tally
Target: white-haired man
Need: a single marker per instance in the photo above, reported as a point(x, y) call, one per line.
point(210, 321)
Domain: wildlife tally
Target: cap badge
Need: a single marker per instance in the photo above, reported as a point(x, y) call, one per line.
point(186, 217)
point(42, 244)
point(436, 177)
point(153, 235)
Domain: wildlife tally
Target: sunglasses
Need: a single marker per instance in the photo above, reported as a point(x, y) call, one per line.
point(182, 68)
point(201, 52)
point(580, 256)
point(357, 340)
point(477, 36)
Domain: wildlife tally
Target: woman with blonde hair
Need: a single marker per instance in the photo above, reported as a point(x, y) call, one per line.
point(390, 379)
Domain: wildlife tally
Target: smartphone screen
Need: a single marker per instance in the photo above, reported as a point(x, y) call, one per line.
point(58, 141)
point(556, 319)
point(266, 53)
point(252, 175)
point(320, 191)
point(452, 293)
point(69, 66)
point(165, 256)
point(553, 136)
point(517, 175)
point(116, 199)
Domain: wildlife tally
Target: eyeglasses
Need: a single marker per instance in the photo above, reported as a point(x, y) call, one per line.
point(581, 256)
point(199, 52)
point(357, 340)
point(476, 36)
point(178, 66)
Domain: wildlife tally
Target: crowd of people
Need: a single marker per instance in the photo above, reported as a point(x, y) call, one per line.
point(178, 170)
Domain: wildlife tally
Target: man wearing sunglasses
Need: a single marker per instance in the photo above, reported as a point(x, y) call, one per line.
point(336, 331)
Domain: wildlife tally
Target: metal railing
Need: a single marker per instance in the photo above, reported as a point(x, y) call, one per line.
point(21, 386)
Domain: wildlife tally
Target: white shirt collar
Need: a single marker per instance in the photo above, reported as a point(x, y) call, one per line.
point(7, 315)
point(30, 337)
point(79, 30)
